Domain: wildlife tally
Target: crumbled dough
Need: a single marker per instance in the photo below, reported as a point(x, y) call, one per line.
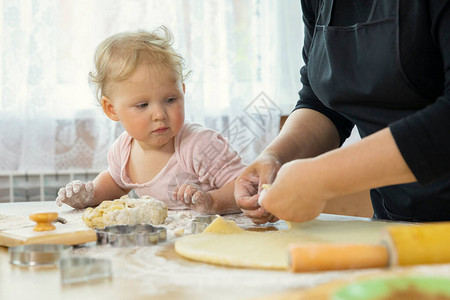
point(179, 232)
point(220, 225)
point(266, 186)
point(126, 211)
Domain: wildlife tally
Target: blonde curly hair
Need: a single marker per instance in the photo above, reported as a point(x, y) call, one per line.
point(118, 56)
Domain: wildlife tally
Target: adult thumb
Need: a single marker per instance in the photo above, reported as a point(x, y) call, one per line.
point(261, 197)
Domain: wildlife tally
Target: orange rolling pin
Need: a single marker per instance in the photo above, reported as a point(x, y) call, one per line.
point(401, 245)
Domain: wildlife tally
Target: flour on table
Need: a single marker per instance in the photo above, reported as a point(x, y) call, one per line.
point(10, 221)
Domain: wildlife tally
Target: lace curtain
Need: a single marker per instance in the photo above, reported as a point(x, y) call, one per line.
point(244, 57)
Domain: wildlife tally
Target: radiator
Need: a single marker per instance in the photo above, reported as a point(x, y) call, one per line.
point(38, 186)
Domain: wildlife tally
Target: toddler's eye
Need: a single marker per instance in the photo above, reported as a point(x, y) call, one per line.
point(170, 100)
point(142, 105)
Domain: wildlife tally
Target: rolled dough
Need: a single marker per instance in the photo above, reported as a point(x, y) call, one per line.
point(225, 243)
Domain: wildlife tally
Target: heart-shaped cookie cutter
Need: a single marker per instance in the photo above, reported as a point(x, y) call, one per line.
point(131, 235)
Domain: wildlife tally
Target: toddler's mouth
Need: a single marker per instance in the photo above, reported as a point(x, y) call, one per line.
point(160, 130)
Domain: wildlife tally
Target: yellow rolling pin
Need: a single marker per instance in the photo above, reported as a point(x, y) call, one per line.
point(401, 245)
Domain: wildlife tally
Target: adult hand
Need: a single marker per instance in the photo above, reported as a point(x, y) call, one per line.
point(248, 185)
point(299, 192)
point(194, 197)
point(76, 194)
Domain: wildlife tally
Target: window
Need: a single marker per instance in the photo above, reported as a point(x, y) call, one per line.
point(240, 53)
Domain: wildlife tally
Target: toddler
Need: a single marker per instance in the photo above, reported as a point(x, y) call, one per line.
point(139, 81)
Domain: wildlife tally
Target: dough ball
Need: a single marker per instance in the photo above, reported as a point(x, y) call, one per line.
point(126, 211)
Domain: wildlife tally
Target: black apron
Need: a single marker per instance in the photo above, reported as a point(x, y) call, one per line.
point(356, 71)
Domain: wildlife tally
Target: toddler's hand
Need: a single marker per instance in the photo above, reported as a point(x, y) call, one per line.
point(76, 194)
point(194, 197)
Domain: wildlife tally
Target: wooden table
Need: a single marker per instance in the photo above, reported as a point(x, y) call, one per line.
point(157, 272)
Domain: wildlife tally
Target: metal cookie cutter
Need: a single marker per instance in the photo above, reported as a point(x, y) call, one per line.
point(76, 269)
point(201, 222)
point(38, 254)
point(131, 235)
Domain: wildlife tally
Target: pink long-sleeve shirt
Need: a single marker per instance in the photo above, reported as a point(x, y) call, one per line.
point(202, 156)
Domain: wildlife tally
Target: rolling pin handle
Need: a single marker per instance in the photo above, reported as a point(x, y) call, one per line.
point(328, 257)
point(44, 221)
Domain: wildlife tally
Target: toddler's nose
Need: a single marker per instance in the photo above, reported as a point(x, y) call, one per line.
point(159, 113)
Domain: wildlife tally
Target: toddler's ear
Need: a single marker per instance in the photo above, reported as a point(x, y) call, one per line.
point(108, 109)
point(184, 88)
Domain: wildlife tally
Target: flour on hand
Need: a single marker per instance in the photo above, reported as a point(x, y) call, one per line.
point(126, 211)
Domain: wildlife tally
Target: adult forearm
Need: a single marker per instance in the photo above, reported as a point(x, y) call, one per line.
point(305, 185)
point(373, 162)
point(306, 133)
